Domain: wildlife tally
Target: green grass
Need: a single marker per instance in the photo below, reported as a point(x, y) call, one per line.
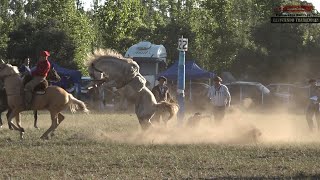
point(83, 148)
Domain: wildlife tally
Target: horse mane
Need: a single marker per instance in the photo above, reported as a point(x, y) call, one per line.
point(13, 69)
point(107, 54)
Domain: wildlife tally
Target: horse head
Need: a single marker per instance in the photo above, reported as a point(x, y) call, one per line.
point(53, 75)
point(7, 70)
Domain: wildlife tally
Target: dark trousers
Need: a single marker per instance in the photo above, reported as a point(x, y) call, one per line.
point(219, 113)
point(313, 110)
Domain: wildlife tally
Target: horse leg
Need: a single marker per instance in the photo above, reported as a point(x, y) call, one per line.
point(8, 113)
point(144, 123)
point(18, 121)
point(156, 118)
point(1, 120)
point(11, 115)
point(35, 115)
point(60, 119)
point(54, 125)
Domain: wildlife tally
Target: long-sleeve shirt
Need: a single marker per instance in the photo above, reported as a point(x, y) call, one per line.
point(219, 96)
point(43, 67)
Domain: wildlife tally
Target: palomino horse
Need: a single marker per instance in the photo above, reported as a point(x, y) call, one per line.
point(53, 76)
point(55, 99)
point(120, 72)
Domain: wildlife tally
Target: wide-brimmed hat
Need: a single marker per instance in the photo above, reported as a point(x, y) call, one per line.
point(217, 79)
point(162, 77)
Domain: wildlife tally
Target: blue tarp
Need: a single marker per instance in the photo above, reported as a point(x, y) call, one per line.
point(75, 75)
point(193, 71)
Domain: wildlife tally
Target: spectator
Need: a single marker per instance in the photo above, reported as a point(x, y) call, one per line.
point(313, 106)
point(220, 98)
point(161, 93)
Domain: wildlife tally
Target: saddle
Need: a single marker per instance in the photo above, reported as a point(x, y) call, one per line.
point(40, 89)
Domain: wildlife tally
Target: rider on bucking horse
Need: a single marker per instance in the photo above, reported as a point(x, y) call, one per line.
point(38, 75)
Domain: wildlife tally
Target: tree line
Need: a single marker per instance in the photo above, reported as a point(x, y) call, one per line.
point(224, 35)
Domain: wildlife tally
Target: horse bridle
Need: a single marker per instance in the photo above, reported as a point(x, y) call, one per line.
point(94, 68)
point(100, 81)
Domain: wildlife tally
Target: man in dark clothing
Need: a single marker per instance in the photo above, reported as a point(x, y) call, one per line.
point(24, 68)
point(161, 93)
point(313, 106)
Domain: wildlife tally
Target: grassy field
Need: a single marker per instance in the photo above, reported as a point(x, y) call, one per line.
point(111, 146)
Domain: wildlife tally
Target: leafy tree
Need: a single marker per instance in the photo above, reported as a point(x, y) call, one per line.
point(75, 24)
point(118, 22)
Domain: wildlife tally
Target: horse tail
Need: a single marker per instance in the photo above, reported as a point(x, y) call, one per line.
point(75, 104)
point(164, 106)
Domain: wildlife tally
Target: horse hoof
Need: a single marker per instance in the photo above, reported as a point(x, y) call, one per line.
point(1, 126)
point(10, 128)
point(21, 135)
point(37, 127)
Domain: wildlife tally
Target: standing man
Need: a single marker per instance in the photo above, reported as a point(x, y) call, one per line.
point(38, 75)
point(220, 98)
point(161, 93)
point(313, 106)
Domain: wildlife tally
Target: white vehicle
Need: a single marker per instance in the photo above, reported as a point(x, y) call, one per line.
point(85, 80)
point(151, 59)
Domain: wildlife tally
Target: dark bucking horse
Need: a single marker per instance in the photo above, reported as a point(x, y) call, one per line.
point(117, 71)
point(53, 76)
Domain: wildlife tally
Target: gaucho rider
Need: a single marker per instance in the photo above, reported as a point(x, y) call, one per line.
point(38, 76)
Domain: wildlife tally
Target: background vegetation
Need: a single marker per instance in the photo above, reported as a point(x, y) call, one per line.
point(223, 35)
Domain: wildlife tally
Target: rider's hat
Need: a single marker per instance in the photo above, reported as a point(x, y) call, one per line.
point(44, 53)
point(162, 77)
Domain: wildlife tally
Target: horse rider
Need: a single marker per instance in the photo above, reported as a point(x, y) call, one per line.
point(38, 76)
point(24, 69)
point(220, 98)
point(161, 93)
point(313, 105)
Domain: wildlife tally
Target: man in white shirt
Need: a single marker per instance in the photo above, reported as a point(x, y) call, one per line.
point(220, 98)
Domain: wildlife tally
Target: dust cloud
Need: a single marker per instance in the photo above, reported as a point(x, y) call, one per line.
point(239, 127)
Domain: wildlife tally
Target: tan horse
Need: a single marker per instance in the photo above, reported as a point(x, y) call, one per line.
point(121, 72)
point(54, 100)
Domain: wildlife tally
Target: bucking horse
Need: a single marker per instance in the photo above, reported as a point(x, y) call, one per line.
point(116, 71)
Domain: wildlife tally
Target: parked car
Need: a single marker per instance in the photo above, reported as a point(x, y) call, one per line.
point(85, 80)
point(290, 95)
point(241, 90)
